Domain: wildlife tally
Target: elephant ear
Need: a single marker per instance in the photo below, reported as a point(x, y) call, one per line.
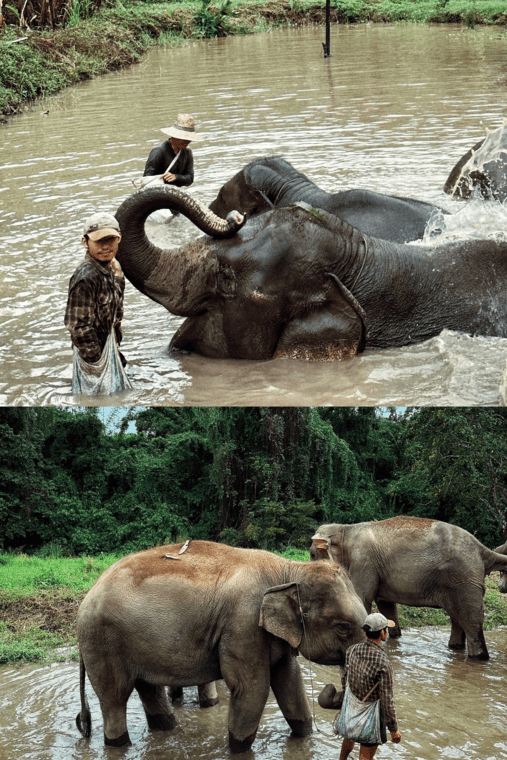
point(335, 330)
point(281, 614)
point(321, 546)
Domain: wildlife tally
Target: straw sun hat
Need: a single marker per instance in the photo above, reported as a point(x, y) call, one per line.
point(183, 128)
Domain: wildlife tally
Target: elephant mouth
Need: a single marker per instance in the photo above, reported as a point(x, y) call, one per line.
point(335, 658)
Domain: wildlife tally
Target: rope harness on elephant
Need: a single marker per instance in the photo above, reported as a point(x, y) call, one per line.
point(314, 717)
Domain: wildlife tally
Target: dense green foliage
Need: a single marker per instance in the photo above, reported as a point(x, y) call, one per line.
point(259, 477)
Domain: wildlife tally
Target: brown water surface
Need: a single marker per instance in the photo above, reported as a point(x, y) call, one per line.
point(391, 110)
point(448, 708)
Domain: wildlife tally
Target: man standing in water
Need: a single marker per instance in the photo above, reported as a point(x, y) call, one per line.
point(95, 301)
point(370, 677)
point(173, 158)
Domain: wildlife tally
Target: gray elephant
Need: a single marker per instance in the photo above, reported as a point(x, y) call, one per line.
point(483, 169)
point(157, 619)
point(417, 562)
point(272, 182)
point(502, 581)
point(299, 282)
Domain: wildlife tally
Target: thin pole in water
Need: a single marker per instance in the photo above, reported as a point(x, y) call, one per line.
point(327, 44)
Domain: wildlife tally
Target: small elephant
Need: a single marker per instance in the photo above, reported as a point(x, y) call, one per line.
point(272, 182)
point(417, 562)
point(157, 619)
point(298, 282)
point(483, 169)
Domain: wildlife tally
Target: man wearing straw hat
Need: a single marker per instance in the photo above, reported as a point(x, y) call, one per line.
point(173, 158)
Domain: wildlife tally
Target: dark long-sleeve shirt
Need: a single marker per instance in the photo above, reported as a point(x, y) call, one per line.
point(365, 665)
point(160, 159)
point(95, 301)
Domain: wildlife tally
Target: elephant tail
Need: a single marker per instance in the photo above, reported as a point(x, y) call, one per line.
point(84, 718)
point(494, 561)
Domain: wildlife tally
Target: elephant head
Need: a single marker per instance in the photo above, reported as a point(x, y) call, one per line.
point(266, 288)
point(320, 615)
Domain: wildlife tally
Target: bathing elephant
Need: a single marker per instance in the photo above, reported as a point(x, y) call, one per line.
point(157, 619)
point(273, 182)
point(299, 282)
point(483, 169)
point(417, 562)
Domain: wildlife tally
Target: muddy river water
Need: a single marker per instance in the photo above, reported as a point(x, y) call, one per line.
point(448, 708)
point(391, 110)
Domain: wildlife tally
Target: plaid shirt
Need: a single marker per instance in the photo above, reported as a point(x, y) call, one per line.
point(95, 302)
point(365, 665)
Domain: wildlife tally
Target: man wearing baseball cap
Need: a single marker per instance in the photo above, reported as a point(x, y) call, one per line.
point(370, 676)
point(95, 301)
point(173, 158)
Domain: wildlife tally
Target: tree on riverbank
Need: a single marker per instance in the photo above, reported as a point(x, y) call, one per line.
point(262, 477)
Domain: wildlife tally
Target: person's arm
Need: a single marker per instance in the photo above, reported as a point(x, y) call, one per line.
point(79, 320)
point(387, 702)
point(152, 166)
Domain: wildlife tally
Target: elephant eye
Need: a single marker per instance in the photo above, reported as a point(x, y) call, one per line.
point(343, 628)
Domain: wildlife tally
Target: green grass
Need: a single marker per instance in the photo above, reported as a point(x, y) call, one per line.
point(40, 596)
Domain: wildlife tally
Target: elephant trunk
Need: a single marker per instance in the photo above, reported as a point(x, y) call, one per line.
point(160, 274)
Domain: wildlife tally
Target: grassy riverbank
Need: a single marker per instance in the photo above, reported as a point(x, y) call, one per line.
point(39, 599)
point(36, 63)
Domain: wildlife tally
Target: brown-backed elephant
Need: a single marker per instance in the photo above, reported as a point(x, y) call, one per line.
point(483, 169)
point(272, 182)
point(299, 282)
point(157, 619)
point(417, 562)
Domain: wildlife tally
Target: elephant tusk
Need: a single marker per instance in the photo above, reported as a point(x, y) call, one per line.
point(169, 556)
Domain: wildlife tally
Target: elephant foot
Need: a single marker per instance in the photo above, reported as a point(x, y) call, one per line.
point(241, 745)
point(209, 702)
point(328, 696)
point(395, 633)
point(161, 722)
point(120, 741)
point(482, 656)
point(457, 646)
point(301, 727)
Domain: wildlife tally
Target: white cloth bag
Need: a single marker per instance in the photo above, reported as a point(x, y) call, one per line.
point(104, 377)
point(359, 721)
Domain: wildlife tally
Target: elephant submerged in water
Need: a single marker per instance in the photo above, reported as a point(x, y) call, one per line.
point(155, 619)
point(299, 282)
point(482, 169)
point(417, 562)
point(272, 182)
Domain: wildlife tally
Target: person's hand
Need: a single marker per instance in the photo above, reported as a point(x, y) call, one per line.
point(169, 177)
point(396, 736)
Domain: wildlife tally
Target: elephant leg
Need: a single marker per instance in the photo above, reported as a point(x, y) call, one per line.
point(457, 639)
point(157, 708)
point(466, 611)
point(208, 695)
point(175, 692)
point(115, 724)
point(289, 690)
point(249, 694)
point(390, 611)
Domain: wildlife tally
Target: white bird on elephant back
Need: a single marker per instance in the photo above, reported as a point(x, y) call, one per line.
point(420, 563)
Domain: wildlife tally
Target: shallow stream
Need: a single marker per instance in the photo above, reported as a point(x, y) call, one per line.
point(391, 110)
point(448, 708)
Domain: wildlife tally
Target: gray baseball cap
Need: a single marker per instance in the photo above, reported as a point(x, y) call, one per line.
point(377, 622)
point(101, 225)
